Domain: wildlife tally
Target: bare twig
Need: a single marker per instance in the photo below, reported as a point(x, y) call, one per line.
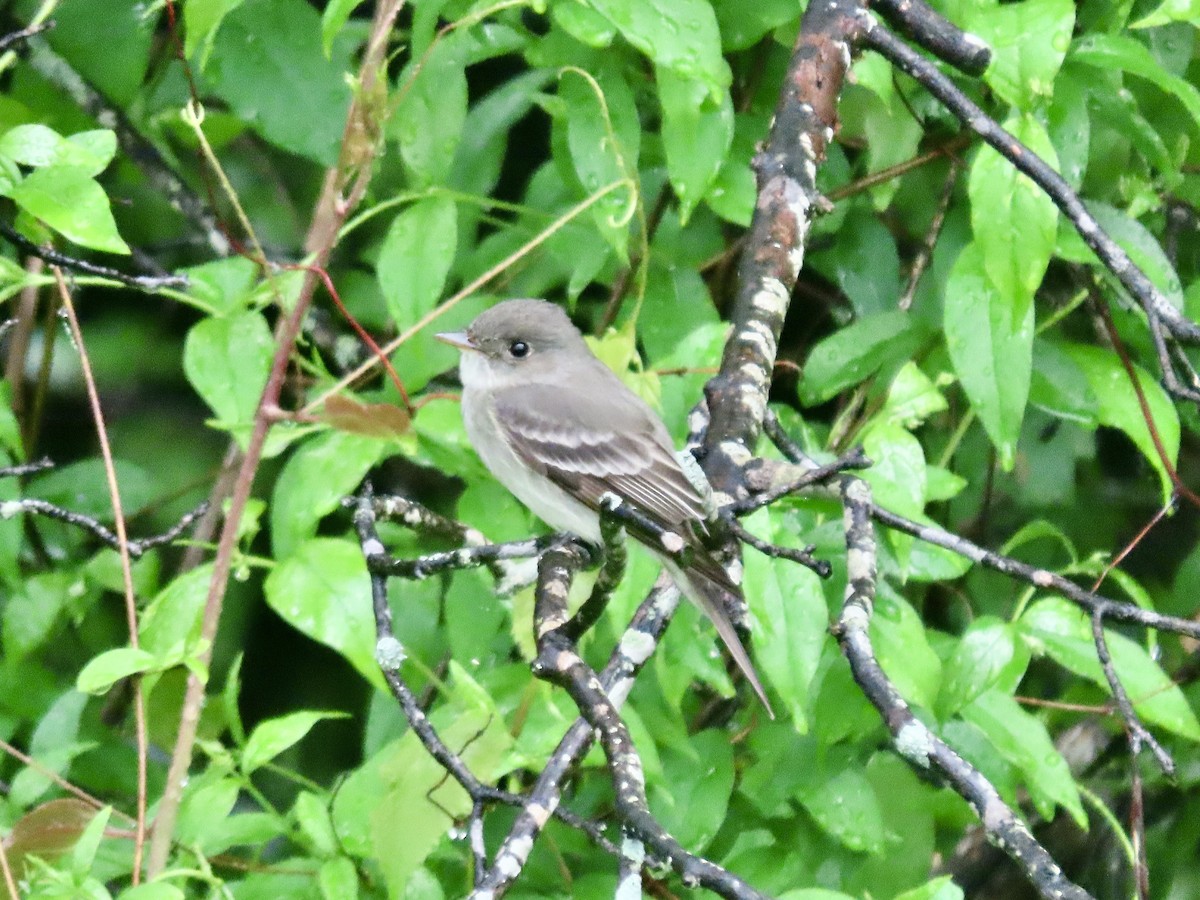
point(137, 548)
point(925, 254)
point(1138, 734)
point(82, 266)
point(390, 654)
point(131, 617)
point(1111, 254)
point(918, 21)
point(1038, 577)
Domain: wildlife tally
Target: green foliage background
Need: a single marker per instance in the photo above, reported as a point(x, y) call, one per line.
point(991, 406)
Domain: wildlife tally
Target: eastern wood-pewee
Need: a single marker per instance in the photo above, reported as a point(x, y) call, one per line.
point(560, 430)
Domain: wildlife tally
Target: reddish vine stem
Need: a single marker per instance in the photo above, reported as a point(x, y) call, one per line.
point(1123, 353)
point(343, 189)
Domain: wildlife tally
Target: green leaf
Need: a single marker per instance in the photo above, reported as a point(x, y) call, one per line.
point(267, 63)
point(1117, 405)
point(476, 618)
point(1169, 11)
point(31, 612)
point(942, 888)
point(1069, 122)
point(1059, 386)
point(844, 804)
point(897, 477)
point(583, 23)
point(171, 623)
point(1013, 220)
point(865, 264)
point(311, 813)
point(68, 199)
point(791, 620)
point(692, 798)
point(37, 145)
point(338, 879)
point(105, 670)
point(1028, 41)
point(84, 854)
point(403, 783)
point(323, 591)
point(744, 24)
point(1062, 631)
point(676, 34)
point(429, 122)
point(856, 352)
point(82, 487)
point(1022, 739)
point(316, 478)
point(733, 192)
point(333, 19)
point(1107, 52)
point(416, 257)
point(902, 649)
point(272, 737)
point(55, 743)
point(208, 800)
point(153, 890)
point(1118, 109)
point(892, 134)
point(990, 341)
point(201, 19)
point(927, 562)
point(912, 398)
point(223, 285)
point(107, 43)
point(987, 655)
point(227, 360)
point(697, 131)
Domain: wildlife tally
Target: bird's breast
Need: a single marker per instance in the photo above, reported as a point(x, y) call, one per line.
point(538, 493)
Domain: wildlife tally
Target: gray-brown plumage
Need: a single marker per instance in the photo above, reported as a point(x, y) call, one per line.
point(560, 430)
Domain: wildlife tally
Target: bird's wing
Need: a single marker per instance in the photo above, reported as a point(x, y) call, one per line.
point(605, 444)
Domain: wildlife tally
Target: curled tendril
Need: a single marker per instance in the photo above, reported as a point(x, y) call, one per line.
point(610, 135)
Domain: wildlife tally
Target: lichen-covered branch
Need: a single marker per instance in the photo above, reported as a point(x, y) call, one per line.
point(913, 739)
point(788, 199)
point(559, 661)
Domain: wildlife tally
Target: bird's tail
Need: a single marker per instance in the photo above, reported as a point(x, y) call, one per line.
point(706, 584)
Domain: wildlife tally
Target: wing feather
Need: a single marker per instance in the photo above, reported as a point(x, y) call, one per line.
point(603, 446)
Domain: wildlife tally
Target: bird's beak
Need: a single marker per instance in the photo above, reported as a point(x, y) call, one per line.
point(458, 339)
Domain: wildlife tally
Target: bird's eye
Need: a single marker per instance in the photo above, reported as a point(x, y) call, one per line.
point(518, 349)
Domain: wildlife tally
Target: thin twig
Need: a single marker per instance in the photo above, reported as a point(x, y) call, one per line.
point(390, 654)
point(1111, 254)
point(75, 264)
point(925, 254)
point(131, 616)
point(803, 557)
point(1138, 733)
point(137, 548)
point(942, 38)
point(1038, 577)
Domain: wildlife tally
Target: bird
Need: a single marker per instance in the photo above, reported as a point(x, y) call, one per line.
point(560, 431)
